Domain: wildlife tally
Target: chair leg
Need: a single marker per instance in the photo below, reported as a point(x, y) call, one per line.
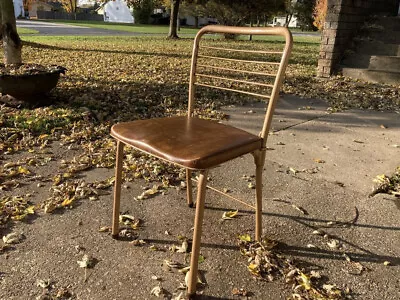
point(189, 189)
point(259, 158)
point(117, 189)
point(198, 222)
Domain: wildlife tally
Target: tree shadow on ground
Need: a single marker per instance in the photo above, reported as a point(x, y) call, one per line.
point(149, 53)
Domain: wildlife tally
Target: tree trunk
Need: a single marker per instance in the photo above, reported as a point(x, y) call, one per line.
point(196, 22)
point(12, 44)
point(251, 25)
point(288, 19)
point(173, 20)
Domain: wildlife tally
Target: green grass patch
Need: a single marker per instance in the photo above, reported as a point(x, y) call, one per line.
point(22, 30)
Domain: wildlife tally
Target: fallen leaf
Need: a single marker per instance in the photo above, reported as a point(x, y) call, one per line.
point(229, 215)
point(305, 281)
point(335, 244)
point(300, 209)
point(318, 232)
point(320, 161)
point(12, 238)
point(86, 262)
point(184, 270)
point(180, 296)
point(187, 278)
point(239, 292)
point(172, 264)
point(156, 291)
point(105, 229)
point(201, 259)
point(126, 219)
point(137, 242)
point(43, 283)
point(183, 248)
point(245, 237)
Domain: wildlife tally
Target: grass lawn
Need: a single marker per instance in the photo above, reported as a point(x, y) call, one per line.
point(22, 30)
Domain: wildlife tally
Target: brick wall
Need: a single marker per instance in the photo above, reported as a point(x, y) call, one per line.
point(343, 20)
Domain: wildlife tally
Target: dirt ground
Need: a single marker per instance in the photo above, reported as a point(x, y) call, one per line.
point(333, 196)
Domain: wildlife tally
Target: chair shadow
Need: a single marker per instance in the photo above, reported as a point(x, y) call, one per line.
point(367, 256)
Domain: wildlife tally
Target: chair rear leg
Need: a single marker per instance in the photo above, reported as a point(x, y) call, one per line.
point(189, 189)
point(198, 223)
point(117, 189)
point(259, 159)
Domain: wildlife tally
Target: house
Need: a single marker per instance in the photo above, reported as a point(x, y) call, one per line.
point(281, 21)
point(116, 11)
point(35, 6)
point(19, 8)
point(29, 8)
point(201, 21)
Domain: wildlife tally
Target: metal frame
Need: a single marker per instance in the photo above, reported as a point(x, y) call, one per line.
point(259, 155)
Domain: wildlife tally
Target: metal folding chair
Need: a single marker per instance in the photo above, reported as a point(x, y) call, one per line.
point(199, 145)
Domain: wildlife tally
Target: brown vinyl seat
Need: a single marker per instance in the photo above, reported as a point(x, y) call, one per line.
point(199, 145)
point(187, 141)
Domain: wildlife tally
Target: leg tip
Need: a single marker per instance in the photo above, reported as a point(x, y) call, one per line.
point(191, 205)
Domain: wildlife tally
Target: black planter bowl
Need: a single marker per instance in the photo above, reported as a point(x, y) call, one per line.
point(32, 86)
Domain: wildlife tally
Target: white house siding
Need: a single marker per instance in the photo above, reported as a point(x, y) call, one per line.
point(280, 21)
point(18, 8)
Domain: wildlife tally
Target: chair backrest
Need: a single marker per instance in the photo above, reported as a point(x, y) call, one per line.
point(233, 67)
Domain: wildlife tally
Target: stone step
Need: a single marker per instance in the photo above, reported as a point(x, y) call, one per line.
point(387, 63)
point(387, 37)
point(389, 23)
point(367, 47)
point(357, 60)
point(372, 75)
point(381, 24)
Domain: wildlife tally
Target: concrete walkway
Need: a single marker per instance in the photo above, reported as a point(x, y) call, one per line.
point(324, 163)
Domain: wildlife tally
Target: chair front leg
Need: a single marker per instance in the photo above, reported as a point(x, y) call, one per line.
point(198, 223)
point(189, 189)
point(117, 189)
point(259, 159)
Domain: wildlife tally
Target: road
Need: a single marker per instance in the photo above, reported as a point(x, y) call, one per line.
point(47, 28)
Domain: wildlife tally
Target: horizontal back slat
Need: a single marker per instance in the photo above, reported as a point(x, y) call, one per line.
point(235, 80)
point(233, 90)
point(240, 60)
point(237, 70)
point(242, 50)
